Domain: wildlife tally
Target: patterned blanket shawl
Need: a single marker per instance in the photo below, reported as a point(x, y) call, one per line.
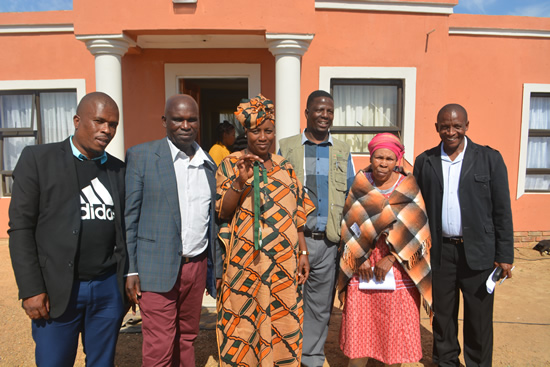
point(402, 217)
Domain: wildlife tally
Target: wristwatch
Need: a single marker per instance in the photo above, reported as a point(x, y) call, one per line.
point(303, 252)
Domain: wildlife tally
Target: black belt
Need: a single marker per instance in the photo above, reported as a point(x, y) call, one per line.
point(314, 235)
point(453, 240)
point(185, 260)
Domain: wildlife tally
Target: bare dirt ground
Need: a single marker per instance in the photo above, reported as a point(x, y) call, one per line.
point(521, 323)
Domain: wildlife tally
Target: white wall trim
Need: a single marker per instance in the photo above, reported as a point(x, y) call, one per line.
point(500, 32)
point(37, 28)
point(174, 72)
point(407, 74)
point(78, 84)
point(388, 6)
point(528, 89)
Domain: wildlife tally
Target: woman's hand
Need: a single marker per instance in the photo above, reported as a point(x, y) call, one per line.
point(364, 271)
point(342, 297)
point(245, 165)
point(233, 194)
point(382, 267)
point(303, 269)
point(303, 259)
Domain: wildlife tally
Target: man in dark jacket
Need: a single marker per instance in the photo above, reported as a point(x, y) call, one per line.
point(465, 188)
point(67, 238)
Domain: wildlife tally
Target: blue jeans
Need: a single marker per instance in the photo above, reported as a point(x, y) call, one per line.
point(95, 309)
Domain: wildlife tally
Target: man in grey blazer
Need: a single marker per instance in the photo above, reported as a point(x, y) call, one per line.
point(171, 235)
point(465, 188)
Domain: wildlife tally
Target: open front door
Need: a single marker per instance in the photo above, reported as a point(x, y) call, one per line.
point(194, 90)
point(217, 98)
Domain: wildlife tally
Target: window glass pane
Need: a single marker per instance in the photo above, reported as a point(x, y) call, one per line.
point(365, 105)
point(540, 113)
point(358, 142)
point(537, 182)
point(16, 111)
point(7, 185)
point(57, 112)
point(538, 152)
point(12, 149)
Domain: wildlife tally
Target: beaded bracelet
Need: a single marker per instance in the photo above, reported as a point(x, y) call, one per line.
point(235, 189)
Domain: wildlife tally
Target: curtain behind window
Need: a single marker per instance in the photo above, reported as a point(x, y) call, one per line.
point(19, 112)
point(364, 106)
point(58, 110)
point(538, 153)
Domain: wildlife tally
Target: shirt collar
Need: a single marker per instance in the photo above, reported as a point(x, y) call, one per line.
point(445, 156)
point(81, 157)
point(305, 139)
point(199, 158)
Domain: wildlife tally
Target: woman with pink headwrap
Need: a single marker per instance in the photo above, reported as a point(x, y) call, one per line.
point(385, 234)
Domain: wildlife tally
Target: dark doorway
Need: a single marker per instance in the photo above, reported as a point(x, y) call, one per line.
point(218, 98)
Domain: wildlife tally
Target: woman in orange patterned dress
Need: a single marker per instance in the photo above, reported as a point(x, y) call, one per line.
point(263, 207)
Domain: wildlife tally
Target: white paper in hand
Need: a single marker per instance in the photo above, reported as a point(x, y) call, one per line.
point(388, 284)
point(490, 284)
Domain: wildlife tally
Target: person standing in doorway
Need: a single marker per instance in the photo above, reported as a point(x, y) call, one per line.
point(226, 139)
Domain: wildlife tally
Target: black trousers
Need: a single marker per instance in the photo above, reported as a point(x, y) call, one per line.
point(454, 276)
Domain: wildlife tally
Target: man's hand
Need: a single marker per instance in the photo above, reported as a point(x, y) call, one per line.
point(303, 269)
point(218, 285)
point(37, 307)
point(506, 270)
point(133, 291)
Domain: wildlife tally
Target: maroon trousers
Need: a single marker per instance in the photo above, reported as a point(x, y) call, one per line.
point(170, 321)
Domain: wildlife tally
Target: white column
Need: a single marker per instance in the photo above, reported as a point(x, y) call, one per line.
point(288, 50)
point(108, 51)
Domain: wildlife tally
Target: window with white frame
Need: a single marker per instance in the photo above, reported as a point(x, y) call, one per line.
point(370, 100)
point(29, 117)
point(537, 173)
point(364, 108)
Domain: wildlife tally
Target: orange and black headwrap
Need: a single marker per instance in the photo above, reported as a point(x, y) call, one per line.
point(252, 112)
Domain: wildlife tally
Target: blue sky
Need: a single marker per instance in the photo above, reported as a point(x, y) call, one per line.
point(534, 8)
point(531, 8)
point(35, 5)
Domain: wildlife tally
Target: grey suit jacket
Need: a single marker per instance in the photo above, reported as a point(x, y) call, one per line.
point(153, 220)
point(485, 207)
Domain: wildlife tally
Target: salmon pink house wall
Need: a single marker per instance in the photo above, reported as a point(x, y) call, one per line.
point(140, 52)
